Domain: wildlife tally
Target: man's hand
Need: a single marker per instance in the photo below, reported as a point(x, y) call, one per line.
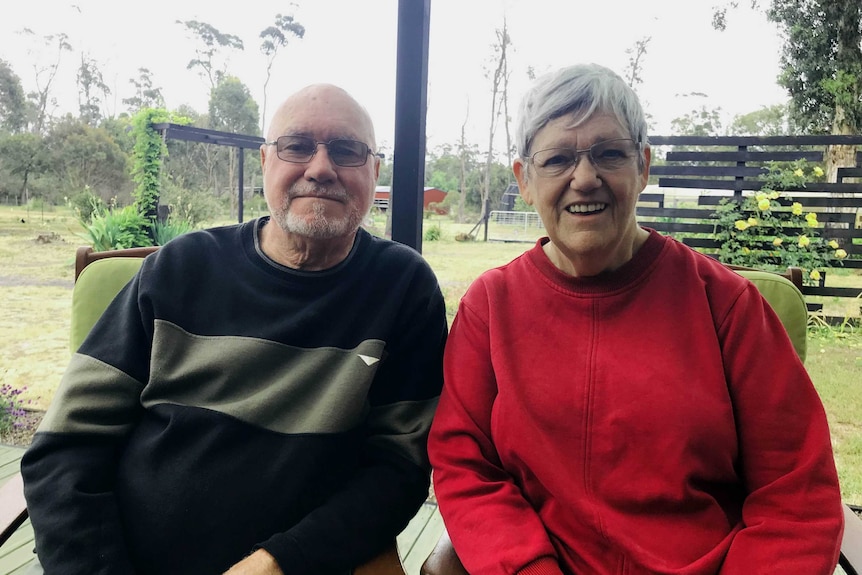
point(258, 563)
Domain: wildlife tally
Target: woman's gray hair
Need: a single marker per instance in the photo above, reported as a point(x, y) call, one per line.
point(581, 91)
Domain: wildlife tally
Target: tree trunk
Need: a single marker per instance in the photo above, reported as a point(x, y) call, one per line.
point(462, 179)
point(839, 156)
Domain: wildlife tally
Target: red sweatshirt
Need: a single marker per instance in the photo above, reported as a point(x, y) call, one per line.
point(654, 419)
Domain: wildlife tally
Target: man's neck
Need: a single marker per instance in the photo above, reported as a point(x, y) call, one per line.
point(303, 253)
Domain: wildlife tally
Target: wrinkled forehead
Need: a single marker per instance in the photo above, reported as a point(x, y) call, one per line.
point(598, 125)
point(323, 113)
point(576, 118)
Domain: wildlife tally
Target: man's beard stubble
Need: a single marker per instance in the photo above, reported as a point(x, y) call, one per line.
point(318, 225)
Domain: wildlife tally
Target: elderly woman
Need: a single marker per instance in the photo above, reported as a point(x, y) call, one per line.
point(615, 402)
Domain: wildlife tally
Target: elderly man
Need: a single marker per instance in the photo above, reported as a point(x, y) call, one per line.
point(257, 399)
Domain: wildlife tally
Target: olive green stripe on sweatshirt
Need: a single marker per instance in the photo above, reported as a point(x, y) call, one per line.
point(282, 388)
point(93, 397)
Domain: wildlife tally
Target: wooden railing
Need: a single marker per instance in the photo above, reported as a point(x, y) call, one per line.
point(699, 172)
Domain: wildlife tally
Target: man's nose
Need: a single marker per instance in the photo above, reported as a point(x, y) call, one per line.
point(321, 167)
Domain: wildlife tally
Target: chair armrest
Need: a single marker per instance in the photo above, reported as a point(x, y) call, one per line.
point(443, 560)
point(851, 543)
point(13, 507)
point(387, 563)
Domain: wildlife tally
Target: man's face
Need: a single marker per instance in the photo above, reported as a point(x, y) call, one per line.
point(319, 199)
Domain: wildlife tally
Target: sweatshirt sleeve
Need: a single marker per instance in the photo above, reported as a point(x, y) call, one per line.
point(492, 526)
point(792, 515)
point(361, 519)
point(69, 468)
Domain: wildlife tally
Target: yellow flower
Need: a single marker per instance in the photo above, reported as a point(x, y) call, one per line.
point(815, 275)
point(811, 218)
point(752, 221)
point(773, 195)
point(777, 242)
point(796, 209)
point(763, 205)
point(741, 225)
point(804, 241)
point(760, 196)
point(818, 171)
point(798, 172)
point(833, 244)
point(745, 250)
point(840, 254)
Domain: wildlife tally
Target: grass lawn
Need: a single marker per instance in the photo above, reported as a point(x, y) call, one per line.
point(35, 294)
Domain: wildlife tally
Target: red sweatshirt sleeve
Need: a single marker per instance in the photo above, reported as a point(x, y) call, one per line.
point(493, 528)
point(792, 515)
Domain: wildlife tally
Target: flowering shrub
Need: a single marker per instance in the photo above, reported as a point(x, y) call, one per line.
point(764, 232)
point(11, 408)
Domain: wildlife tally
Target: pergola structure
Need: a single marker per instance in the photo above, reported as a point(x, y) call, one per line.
point(411, 104)
point(238, 141)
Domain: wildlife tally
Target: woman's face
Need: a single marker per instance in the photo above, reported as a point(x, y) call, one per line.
point(588, 211)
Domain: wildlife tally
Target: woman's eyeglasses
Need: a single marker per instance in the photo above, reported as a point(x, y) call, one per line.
point(607, 156)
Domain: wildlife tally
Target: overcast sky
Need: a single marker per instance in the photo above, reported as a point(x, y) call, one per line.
point(352, 43)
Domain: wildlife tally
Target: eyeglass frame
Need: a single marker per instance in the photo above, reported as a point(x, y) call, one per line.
point(368, 150)
point(577, 154)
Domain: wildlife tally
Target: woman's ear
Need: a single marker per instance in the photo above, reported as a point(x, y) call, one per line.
point(647, 161)
point(519, 168)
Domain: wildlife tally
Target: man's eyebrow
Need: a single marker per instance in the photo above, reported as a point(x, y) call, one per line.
point(310, 134)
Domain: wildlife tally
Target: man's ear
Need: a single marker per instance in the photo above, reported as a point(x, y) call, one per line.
point(263, 156)
point(520, 171)
point(376, 167)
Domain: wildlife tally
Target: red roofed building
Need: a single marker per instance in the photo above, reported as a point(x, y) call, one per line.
point(431, 196)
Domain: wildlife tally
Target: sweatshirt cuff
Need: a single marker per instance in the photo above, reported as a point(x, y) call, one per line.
point(541, 566)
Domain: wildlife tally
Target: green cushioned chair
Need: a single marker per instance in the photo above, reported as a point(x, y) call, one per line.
point(99, 277)
point(786, 299)
point(94, 289)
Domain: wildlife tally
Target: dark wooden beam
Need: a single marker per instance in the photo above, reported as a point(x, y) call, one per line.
point(193, 134)
point(755, 140)
point(411, 105)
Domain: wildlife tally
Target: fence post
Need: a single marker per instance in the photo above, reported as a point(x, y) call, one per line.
point(739, 180)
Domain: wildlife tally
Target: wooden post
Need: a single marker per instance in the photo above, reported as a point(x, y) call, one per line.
point(411, 104)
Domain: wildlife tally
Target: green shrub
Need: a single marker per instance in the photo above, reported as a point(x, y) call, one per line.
point(763, 233)
point(163, 232)
point(118, 229)
point(194, 207)
point(432, 233)
point(86, 204)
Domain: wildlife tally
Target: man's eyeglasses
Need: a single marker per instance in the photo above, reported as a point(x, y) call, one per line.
point(607, 156)
point(301, 149)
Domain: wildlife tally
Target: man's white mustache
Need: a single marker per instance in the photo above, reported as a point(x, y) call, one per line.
point(318, 192)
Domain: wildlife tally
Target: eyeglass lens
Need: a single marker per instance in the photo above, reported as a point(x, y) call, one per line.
point(606, 155)
point(300, 149)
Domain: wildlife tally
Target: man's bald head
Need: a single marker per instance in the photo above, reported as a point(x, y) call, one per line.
point(302, 108)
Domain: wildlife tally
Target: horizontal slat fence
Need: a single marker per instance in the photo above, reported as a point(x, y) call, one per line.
point(698, 172)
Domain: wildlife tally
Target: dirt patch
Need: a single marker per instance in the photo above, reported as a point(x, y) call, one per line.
point(18, 281)
point(21, 434)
